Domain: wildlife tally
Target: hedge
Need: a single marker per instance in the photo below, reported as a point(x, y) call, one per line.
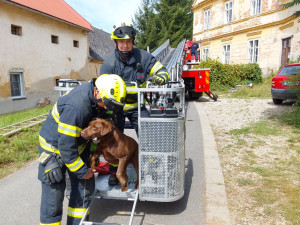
point(230, 75)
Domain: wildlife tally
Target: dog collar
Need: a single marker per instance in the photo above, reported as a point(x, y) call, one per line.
point(98, 140)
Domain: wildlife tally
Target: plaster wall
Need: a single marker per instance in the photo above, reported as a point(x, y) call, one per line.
point(41, 60)
point(94, 68)
point(270, 26)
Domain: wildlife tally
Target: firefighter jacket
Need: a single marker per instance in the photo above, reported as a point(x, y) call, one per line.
point(60, 132)
point(138, 68)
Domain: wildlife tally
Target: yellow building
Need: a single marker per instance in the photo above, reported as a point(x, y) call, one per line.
point(247, 31)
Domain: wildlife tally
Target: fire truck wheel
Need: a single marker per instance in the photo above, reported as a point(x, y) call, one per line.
point(194, 95)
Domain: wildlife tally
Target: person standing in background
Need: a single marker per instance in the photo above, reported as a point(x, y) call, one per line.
point(194, 49)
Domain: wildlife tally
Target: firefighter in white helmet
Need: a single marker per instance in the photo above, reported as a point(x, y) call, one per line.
point(133, 65)
point(61, 148)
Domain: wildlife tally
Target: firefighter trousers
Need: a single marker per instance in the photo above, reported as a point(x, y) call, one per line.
point(53, 196)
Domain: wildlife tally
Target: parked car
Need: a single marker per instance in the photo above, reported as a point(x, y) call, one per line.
point(282, 83)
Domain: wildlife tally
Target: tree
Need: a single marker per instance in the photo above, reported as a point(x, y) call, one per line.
point(157, 21)
point(291, 4)
point(143, 24)
point(176, 19)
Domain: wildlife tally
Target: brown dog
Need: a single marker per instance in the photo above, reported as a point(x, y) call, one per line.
point(116, 147)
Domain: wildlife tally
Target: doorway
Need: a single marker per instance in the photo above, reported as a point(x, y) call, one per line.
point(286, 48)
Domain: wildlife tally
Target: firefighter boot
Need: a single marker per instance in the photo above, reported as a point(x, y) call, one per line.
point(113, 180)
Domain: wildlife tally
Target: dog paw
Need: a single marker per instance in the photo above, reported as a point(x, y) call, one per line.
point(123, 189)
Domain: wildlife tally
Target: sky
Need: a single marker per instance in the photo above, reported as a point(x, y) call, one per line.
point(104, 14)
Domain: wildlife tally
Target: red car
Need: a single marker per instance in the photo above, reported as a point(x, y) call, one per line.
point(282, 83)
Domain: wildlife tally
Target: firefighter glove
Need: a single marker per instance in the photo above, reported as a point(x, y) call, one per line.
point(158, 80)
point(59, 160)
point(53, 169)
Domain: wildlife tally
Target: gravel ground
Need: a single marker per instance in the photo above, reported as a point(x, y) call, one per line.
point(228, 114)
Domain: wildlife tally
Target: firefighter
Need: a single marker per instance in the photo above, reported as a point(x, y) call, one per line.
point(62, 149)
point(133, 65)
point(195, 48)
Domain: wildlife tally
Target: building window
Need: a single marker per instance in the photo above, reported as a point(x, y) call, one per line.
point(17, 84)
point(255, 7)
point(228, 12)
point(253, 51)
point(75, 44)
point(16, 30)
point(206, 19)
point(226, 54)
point(205, 53)
point(54, 39)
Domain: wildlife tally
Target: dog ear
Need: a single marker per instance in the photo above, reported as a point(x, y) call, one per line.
point(105, 127)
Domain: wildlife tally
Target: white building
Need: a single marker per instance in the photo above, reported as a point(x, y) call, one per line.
point(247, 31)
point(41, 41)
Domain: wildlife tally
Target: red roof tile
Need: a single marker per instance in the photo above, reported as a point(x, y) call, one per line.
point(56, 8)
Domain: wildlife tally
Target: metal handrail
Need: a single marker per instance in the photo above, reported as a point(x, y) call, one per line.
point(162, 50)
point(176, 56)
point(174, 64)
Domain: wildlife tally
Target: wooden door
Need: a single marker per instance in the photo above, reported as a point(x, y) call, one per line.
point(286, 48)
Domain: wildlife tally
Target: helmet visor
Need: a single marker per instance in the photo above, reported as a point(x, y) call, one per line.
point(113, 105)
point(120, 32)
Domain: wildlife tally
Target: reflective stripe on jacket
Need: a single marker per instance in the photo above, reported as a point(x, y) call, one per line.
point(60, 132)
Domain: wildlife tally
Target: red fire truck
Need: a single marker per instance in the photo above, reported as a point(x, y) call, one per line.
point(197, 81)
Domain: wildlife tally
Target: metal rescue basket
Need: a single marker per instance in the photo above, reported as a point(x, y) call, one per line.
point(161, 144)
point(161, 139)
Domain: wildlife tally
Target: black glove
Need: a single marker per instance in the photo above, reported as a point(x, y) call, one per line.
point(59, 160)
point(158, 80)
point(53, 169)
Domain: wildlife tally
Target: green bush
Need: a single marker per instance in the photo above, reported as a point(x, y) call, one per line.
point(296, 80)
point(296, 89)
point(225, 76)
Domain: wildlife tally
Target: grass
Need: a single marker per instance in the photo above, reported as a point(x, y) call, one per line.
point(21, 148)
point(18, 150)
point(265, 196)
point(279, 180)
point(8, 119)
point(292, 119)
point(259, 128)
point(292, 211)
point(273, 176)
point(245, 182)
point(262, 90)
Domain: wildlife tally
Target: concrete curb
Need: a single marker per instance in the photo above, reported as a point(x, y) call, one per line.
point(216, 206)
